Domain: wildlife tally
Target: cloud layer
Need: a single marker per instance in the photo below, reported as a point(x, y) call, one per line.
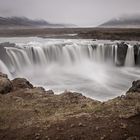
point(80, 12)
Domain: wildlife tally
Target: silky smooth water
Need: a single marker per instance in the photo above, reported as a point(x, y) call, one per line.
point(85, 66)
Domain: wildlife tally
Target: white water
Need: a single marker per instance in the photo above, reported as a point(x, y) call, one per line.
point(4, 69)
point(130, 62)
point(79, 65)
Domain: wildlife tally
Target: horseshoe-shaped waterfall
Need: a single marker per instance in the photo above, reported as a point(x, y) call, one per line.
point(98, 69)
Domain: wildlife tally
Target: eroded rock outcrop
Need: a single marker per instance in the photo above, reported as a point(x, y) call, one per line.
point(137, 54)
point(135, 86)
point(5, 84)
point(21, 83)
point(121, 53)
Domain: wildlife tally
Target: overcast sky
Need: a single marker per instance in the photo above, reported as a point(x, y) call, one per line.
point(79, 12)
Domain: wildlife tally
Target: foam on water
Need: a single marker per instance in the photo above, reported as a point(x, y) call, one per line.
point(84, 66)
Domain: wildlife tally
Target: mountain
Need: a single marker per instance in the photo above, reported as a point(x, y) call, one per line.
point(123, 22)
point(13, 22)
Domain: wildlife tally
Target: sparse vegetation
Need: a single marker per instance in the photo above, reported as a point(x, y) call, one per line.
point(27, 112)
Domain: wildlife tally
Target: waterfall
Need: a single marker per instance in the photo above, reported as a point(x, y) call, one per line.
point(4, 69)
point(84, 66)
point(115, 53)
point(34, 54)
point(67, 54)
point(129, 60)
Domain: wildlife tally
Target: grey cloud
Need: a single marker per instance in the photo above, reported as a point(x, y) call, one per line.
point(80, 12)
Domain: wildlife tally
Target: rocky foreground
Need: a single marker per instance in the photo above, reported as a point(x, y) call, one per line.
point(31, 113)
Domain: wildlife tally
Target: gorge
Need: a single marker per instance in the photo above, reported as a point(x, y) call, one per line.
point(97, 68)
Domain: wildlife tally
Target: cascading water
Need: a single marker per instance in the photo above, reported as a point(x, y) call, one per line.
point(130, 60)
point(68, 54)
point(4, 69)
point(79, 65)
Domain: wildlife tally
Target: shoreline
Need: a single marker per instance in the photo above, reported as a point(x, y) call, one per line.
point(28, 112)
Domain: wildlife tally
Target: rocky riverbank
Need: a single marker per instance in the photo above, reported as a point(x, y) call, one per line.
point(28, 112)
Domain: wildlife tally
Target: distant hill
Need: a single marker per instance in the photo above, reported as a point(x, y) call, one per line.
point(123, 22)
point(13, 22)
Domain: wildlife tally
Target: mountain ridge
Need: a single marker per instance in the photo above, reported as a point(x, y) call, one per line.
point(26, 22)
point(123, 22)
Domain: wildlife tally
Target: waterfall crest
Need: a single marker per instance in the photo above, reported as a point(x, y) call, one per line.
point(69, 53)
point(65, 54)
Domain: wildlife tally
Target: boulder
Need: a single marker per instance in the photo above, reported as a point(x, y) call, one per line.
point(5, 84)
point(50, 92)
point(29, 93)
point(21, 83)
point(135, 86)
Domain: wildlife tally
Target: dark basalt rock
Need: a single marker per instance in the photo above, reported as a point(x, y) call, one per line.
point(121, 53)
point(5, 84)
point(21, 83)
point(137, 54)
point(135, 86)
point(94, 47)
